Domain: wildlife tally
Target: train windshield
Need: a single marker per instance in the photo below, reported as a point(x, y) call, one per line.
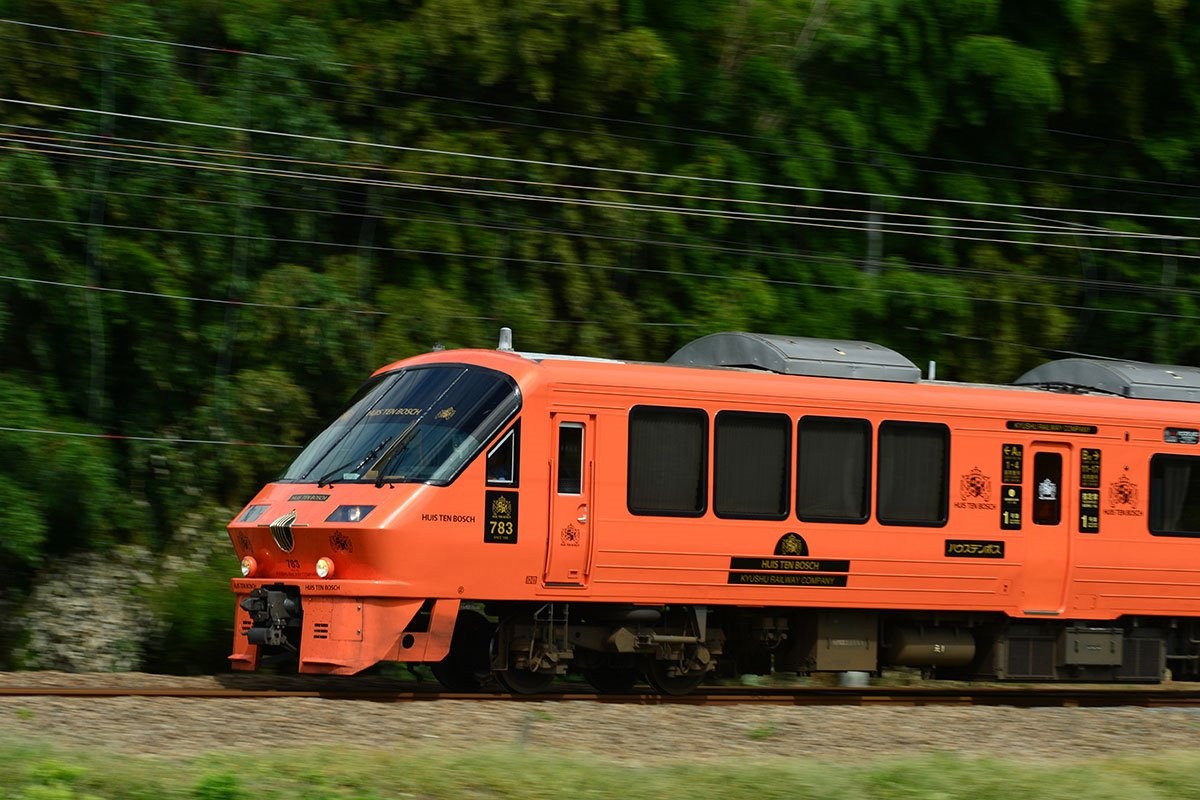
point(411, 426)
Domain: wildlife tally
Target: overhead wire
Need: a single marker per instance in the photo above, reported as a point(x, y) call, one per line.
point(772, 254)
point(593, 169)
point(823, 223)
point(935, 230)
point(293, 175)
point(1065, 228)
point(606, 267)
point(607, 120)
point(189, 298)
point(791, 253)
point(172, 440)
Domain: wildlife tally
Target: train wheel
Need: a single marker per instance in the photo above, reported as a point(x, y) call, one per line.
point(609, 680)
point(658, 675)
point(516, 648)
point(464, 667)
point(522, 681)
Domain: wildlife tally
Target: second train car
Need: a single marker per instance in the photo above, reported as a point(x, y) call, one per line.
point(756, 503)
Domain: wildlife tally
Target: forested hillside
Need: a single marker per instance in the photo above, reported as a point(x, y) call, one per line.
point(217, 218)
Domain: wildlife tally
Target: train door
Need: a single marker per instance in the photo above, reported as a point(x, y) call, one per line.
point(1048, 532)
point(572, 477)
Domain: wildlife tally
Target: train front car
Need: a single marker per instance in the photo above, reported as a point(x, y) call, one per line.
point(355, 555)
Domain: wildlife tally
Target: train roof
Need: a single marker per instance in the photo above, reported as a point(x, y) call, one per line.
point(1124, 378)
point(798, 355)
point(837, 358)
point(866, 362)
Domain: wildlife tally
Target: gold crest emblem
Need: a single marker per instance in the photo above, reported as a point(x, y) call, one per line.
point(446, 413)
point(791, 545)
point(502, 507)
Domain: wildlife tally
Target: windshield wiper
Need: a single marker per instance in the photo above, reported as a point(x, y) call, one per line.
point(328, 477)
point(397, 447)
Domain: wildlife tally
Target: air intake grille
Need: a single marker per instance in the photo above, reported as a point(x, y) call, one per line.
point(1030, 658)
point(281, 531)
point(1144, 660)
point(320, 630)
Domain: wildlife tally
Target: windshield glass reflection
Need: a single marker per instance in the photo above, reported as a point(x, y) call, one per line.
point(412, 426)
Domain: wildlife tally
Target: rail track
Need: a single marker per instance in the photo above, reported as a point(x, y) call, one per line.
point(1175, 696)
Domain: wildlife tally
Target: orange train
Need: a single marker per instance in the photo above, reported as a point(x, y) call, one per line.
point(756, 503)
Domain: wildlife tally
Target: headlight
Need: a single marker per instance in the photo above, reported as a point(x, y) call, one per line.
point(324, 567)
point(252, 513)
point(249, 566)
point(349, 513)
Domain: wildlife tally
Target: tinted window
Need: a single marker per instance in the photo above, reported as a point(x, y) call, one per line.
point(1175, 495)
point(570, 458)
point(833, 469)
point(415, 425)
point(668, 461)
point(502, 460)
point(1047, 488)
point(750, 470)
point(913, 473)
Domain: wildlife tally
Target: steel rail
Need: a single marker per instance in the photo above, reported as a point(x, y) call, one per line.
point(1021, 697)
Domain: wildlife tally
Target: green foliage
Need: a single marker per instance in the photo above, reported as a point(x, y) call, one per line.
point(219, 786)
point(24, 525)
point(763, 732)
point(195, 612)
point(1017, 80)
point(57, 493)
point(53, 780)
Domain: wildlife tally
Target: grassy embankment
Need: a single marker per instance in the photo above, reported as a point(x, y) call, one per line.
point(36, 771)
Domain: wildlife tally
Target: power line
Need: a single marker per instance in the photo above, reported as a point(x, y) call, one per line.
point(85, 150)
point(702, 213)
point(812, 222)
point(193, 299)
point(119, 436)
point(790, 254)
point(587, 167)
point(617, 268)
point(590, 117)
point(744, 216)
point(774, 254)
point(292, 175)
point(247, 304)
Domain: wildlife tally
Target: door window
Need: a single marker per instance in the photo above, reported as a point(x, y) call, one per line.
point(570, 458)
point(1047, 488)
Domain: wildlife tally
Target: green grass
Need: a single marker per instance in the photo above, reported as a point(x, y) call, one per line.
point(40, 772)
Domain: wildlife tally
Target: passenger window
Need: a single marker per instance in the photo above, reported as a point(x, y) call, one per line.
point(833, 463)
point(570, 458)
point(668, 461)
point(1047, 488)
point(1174, 495)
point(503, 458)
point(751, 454)
point(914, 473)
